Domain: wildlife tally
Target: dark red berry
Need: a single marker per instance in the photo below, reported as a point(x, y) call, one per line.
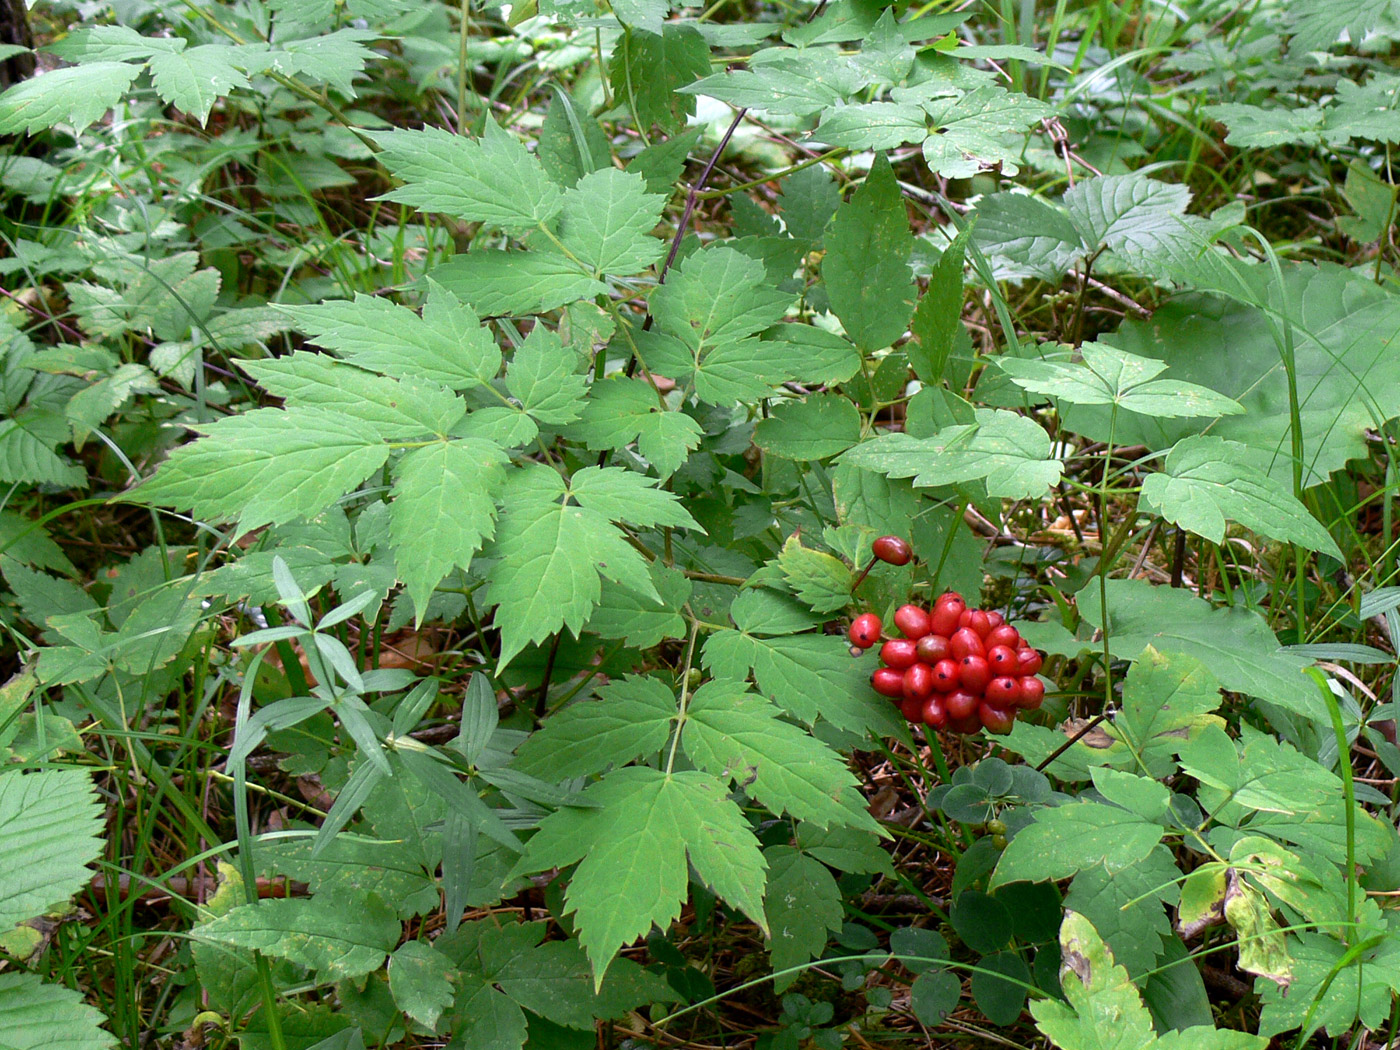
point(932, 648)
point(1003, 692)
point(912, 620)
point(899, 653)
point(996, 719)
point(912, 709)
point(888, 682)
point(918, 682)
point(944, 619)
point(892, 549)
point(934, 713)
point(1028, 661)
point(945, 675)
point(960, 704)
point(1004, 634)
point(1002, 658)
point(974, 674)
point(965, 642)
point(1032, 693)
point(865, 630)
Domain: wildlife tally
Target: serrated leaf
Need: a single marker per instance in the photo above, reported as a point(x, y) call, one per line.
point(77, 95)
point(1103, 1010)
point(803, 906)
point(447, 345)
point(809, 428)
point(1206, 479)
point(804, 674)
point(512, 283)
point(444, 508)
point(747, 370)
point(27, 442)
point(866, 266)
point(648, 70)
point(738, 736)
point(978, 130)
point(194, 79)
point(632, 850)
point(420, 980)
point(543, 377)
point(116, 43)
point(621, 410)
point(1234, 643)
point(1066, 839)
point(1109, 376)
point(546, 576)
point(637, 619)
point(267, 465)
point(820, 580)
point(395, 409)
point(937, 319)
point(717, 296)
point(492, 180)
point(1127, 906)
point(334, 58)
point(625, 495)
point(1361, 990)
point(50, 830)
point(784, 82)
point(1010, 452)
point(337, 937)
point(630, 718)
point(607, 223)
point(35, 1015)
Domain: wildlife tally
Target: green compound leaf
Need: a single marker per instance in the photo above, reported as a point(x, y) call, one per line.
point(821, 581)
point(985, 127)
point(1109, 376)
point(543, 377)
point(337, 937)
point(50, 828)
point(1067, 839)
point(444, 508)
point(866, 266)
point(39, 1016)
point(194, 79)
point(1206, 480)
point(739, 736)
point(1008, 451)
point(809, 428)
point(630, 718)
point(1128, 906)
point(447, 345)
point(716, 297)
point(1104, 1010)
point(493, 179)
point(637, 619)
point(514, 283)
point(267, 465)
point(803, 905)
point(632, 851)
point(620, 411)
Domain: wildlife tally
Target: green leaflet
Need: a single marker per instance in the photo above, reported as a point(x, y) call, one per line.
point(632, 852)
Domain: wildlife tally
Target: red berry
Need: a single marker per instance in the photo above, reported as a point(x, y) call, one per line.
point(960, 704)
point(918, 682)
point(965, 642)
point(1003, 692)
point(865, 630)
point(934, 713)
point(1028, 661)
point(975, 620)
point(1002, 658)
point(898, 653)
point(892, 549)
point(974, 674)
point(912, 709)
point(995, 618)
point(932, 648)
point(888, 682)
point(965, 725)
point(951, 598)
point(1032, 693)
point(1004, 634)
point(912, 620)
point(996, 719)
point(945, 676)
point(944, 619)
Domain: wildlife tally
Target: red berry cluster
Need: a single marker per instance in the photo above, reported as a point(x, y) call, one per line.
point(956, 668)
